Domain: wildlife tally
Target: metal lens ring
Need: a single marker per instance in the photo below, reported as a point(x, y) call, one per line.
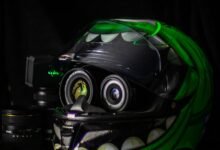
point(78, 84)
point(115, 92)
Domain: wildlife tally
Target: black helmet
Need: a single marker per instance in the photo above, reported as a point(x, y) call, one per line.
point(133, 84)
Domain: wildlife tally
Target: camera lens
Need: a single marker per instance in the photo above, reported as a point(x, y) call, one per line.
point(78, 83)
point(21, 130)
point(115, 92)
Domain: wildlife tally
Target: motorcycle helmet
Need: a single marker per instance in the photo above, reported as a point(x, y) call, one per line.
point(133, 84)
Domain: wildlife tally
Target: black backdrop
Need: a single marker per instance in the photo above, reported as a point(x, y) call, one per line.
point(32, 27)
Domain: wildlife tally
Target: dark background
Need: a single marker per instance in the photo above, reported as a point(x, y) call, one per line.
point(33, 27)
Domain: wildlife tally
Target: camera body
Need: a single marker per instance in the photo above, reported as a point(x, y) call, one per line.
point(23, 128)
point(43, 74)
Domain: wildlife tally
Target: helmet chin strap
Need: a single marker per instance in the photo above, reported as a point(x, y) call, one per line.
point(81, 106)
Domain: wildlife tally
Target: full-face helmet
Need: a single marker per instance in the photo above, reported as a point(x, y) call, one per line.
point(133, 84)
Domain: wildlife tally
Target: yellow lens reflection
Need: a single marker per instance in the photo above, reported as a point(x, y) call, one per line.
point(79, 89)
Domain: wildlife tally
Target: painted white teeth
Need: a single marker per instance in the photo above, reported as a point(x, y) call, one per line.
point(132, 143)
point(57, 146)
point(108, 37)
point(154, 134)
point(93, 134)
point(91, 36)
point(82, 148)
point(126, 36)
point(57, 131)
point(170, 121)
point(130, 36)
point(66, 140)
point(108, 146)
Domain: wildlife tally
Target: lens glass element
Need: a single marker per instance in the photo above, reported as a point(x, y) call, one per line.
point(115, 94)
point(79, 89)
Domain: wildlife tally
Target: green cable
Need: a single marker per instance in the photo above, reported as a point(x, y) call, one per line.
point(199, 77)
